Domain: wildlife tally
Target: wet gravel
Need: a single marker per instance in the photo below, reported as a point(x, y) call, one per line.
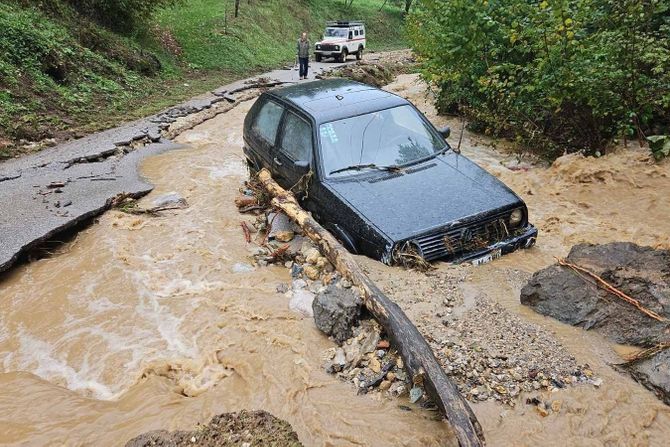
point(490, 353)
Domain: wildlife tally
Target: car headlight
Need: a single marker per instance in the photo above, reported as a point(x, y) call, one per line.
point(337, 48)
point(516, 217)
point(318, 47)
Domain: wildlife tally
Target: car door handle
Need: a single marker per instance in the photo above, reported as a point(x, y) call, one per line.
point(277, 162)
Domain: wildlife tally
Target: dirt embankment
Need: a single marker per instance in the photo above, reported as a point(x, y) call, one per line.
point(243, 429)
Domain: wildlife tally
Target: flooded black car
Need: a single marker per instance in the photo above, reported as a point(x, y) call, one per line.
point(378, 175)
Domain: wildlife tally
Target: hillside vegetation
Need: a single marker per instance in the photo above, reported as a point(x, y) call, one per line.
point(555, 74)
point(68, 67)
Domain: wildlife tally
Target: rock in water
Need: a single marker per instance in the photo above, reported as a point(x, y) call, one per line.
point(336, 311)
point(653, 373)
point(301, 302)
point(640, 272)
point(170, 199)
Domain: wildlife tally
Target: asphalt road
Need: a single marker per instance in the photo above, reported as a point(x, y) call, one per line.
point(51, 191)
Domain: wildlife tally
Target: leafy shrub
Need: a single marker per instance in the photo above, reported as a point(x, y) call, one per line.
point(120, 15)
point(555, 74)
point(659, 145)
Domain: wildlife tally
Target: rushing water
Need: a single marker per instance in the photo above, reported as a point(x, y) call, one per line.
point(623, 196)
point(141, 323)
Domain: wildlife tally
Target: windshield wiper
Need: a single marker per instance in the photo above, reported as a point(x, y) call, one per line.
point(393, 168)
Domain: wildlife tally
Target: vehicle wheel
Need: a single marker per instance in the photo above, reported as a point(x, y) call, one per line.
point(359, 53)
point(343, 55)
point(317, 57)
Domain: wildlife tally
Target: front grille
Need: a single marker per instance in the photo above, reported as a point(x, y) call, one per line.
point(327, 47)
point(453, 242)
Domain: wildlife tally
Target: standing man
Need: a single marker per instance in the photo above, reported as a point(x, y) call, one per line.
point(303, 55)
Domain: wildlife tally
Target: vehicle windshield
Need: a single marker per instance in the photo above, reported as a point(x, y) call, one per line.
point(336, 32)
point(391, 137)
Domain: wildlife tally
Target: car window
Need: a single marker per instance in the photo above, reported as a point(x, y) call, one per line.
point(351, 34)
point(296, 142)
point(395, 136)
point(267, 121)
point(362, 32)
point(336, 32)
point(356, 33)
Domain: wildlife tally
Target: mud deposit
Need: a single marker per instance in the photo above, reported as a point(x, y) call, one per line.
point(256, 428)
point(156, 323)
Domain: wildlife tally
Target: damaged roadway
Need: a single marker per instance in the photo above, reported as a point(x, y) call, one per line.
point(58, 188)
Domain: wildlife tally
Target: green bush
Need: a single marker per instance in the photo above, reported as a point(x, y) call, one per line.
point(553, 74)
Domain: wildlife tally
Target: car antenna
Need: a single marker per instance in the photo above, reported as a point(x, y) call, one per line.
point(460, 137)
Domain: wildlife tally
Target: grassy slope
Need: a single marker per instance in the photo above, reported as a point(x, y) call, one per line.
point(61, 75)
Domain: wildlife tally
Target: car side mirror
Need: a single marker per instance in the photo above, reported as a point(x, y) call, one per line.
point(302, 164)
point(445, 132)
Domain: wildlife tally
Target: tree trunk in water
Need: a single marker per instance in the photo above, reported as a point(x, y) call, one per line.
point(416, 354)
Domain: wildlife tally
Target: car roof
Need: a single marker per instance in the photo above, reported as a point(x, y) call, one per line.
point(334, 99)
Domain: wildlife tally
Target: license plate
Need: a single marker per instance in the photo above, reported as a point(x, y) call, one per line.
point(495, 254)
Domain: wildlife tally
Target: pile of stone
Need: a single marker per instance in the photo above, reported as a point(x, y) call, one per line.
point(497, 356)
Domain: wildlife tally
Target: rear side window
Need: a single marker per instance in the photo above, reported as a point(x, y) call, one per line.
point(362, 32)
point(267, 121)
point(296, 142)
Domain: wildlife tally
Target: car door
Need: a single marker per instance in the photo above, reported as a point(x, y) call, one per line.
point(294, 151)
point(264, 131)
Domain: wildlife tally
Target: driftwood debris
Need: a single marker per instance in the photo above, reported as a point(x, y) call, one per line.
point(415, 351)
point(610, 288)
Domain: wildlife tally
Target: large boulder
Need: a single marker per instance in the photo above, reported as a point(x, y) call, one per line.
point(642, 273)
point(336, 311)
point(653, 373)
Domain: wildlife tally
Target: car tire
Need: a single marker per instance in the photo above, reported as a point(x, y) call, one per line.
point(359, 53)
point(343, 55)
point(317, 57)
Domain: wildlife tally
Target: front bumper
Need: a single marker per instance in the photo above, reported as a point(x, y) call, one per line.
point(525, 240)
point(328, 53)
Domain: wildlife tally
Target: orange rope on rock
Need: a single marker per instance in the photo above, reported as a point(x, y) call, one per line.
point(611, 289)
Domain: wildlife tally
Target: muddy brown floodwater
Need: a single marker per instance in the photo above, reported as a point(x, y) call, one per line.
point(623, 196)
point(141, 323)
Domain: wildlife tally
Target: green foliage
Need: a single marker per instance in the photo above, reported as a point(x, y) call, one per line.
point(120, 15)
point(265, 32)
point(62, 72)
point(554, 74)
point(659, 145)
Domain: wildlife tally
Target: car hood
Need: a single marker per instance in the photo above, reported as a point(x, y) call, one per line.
point(427, 196)
point(332, 40)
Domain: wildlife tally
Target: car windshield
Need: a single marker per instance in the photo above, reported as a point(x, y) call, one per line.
point(336, 32)
point(391, 137)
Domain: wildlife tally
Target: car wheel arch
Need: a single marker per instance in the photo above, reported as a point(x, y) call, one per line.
point(343, 237)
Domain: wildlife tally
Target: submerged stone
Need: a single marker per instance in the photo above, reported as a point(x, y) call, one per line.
point(336, 312)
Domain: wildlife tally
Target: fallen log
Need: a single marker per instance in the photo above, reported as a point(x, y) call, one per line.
point(413, 348)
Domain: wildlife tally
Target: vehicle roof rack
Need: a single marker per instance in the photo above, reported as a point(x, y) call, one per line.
point(344, 23)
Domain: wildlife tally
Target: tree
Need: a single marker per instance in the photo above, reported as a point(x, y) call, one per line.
point(554, 74)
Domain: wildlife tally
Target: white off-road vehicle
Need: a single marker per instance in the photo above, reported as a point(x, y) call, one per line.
point(341, 39)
